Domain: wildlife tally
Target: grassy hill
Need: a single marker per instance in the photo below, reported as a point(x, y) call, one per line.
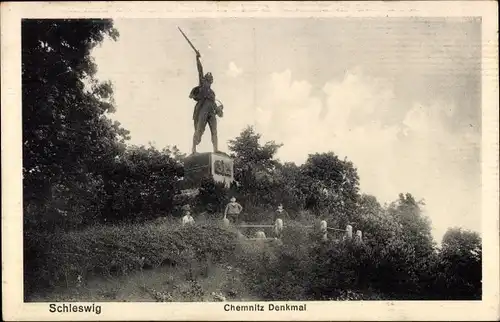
point(162, 261)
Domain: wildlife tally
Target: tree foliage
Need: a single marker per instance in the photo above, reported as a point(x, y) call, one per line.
point(67, 136)
point(142, 184)
point(331, 185)
point(212, 197)
point(377, 225)
point(254, 167)
point(459, 266)
point(287, 190)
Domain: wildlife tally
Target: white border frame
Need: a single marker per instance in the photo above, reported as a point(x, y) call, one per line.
point(12, 277)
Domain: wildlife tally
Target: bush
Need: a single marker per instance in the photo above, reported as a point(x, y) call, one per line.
point(458, 266)
point(278, 270)
point(339, 265)
point(303, 267)
point(212, 197)
point(60, 258)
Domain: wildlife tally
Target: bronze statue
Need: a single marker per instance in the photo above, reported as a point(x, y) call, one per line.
point(207, 108)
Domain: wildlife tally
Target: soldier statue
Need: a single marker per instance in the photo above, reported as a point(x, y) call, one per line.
point(206, 109)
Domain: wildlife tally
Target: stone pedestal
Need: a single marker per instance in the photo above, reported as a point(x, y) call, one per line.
point(219, 166)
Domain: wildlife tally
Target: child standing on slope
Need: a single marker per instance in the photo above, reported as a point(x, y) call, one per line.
point(281, 213)
point(187, 219)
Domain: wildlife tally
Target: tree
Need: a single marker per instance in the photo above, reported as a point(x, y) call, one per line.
point(212, 197)
point(416, 227)
point(331, 184)
point(254, 167)
point(142, 184)
point(377, 225)
point(414, 234)
point(460, 265)
point(67, 137)
point(287, 186)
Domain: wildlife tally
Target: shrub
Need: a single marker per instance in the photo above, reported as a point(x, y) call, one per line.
point(458, 266)
point(339, 265)
point(212, 197)
point(60, 258)
point(303, 267)
point(274, 270)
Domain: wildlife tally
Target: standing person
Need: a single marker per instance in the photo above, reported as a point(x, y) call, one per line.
point(187, 219)
point(281, 213)
point(206, 109)
point(233, 209)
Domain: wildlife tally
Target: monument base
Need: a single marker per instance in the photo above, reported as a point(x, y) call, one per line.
point(217, 165)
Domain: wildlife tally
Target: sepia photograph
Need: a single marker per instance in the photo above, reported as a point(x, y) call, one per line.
point(258, 163)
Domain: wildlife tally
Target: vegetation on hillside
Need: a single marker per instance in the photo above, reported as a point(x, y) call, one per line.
point(95, 206)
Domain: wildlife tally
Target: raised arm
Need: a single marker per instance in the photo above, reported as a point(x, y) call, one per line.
point(200, 67)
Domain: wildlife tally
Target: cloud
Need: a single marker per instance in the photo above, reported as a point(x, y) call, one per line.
point(354, 116)
point(233, 70)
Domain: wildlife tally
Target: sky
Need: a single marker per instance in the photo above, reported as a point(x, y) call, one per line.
point(399, 97)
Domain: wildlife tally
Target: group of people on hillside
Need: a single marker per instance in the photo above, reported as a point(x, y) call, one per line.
point(232, 213)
